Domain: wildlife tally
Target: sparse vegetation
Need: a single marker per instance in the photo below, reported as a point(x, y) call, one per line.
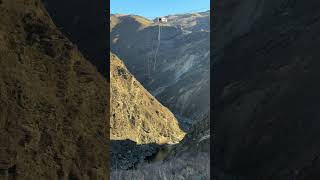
point(135, 111)
point(53, 105)
point(186, 167)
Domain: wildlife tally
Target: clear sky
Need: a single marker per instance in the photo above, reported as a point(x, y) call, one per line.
point(151, 8)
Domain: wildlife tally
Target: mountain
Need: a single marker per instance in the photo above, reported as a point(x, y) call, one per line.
point(191, 22)
point(266, 95)
point(53, 102)
point(139, 124)
point(85, 24)
point(179, 79)
point(134, 20)
point(176, 71)
point(135, 113)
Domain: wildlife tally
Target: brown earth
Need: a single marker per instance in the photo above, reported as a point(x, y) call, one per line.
point(53, 102)
point(135, 113)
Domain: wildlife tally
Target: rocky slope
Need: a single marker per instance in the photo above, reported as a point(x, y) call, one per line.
point(265, 89)
point(85, 24)
point(186, 160)
point(53, 102)
point(136, 115)
point(178, 73)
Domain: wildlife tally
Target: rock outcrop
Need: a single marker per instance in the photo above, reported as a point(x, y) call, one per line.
point(266, 95)
point(53, 102)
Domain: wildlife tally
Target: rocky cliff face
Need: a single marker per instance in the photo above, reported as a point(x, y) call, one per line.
point(178, 72)
point(265, 89)
point(53, 102)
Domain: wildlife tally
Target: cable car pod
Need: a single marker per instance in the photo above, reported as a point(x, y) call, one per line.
point(162, 20)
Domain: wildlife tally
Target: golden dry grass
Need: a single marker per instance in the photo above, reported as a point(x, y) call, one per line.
point(135, 113)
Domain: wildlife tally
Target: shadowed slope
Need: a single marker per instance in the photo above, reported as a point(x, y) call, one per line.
point(266, 91)
point(177, 73)
point(84, 23)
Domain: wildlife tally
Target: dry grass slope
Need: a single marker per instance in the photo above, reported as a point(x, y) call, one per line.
point(139, 21)
point(136, 115)
point(53, 102)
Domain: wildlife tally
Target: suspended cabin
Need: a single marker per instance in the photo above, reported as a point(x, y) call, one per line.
point(162, 20)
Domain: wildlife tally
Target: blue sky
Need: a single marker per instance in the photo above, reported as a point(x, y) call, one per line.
point(152, 8)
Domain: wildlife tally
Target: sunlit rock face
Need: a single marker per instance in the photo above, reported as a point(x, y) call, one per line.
point(135, 113)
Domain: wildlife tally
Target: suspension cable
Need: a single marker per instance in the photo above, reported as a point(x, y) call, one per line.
point(155, 55)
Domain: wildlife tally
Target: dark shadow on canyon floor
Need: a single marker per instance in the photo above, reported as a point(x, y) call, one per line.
point(126, 154)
